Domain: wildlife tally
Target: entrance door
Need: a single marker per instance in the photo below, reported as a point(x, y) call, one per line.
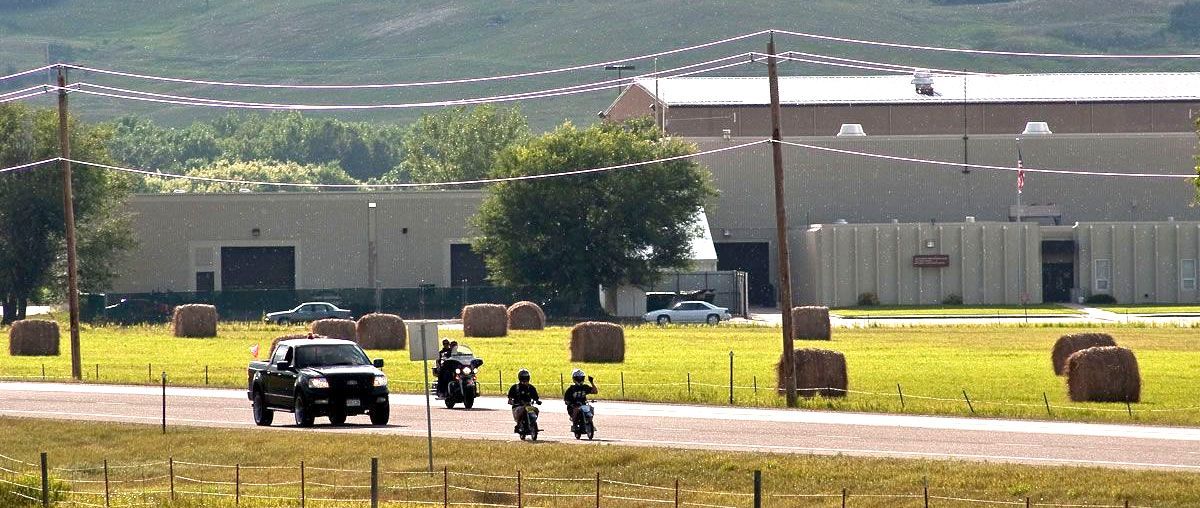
point(754, 259)
point(1058, 270)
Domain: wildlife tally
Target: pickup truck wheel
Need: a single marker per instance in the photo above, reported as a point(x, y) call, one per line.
point(380, 415)
point(304, 418)
point(337, 418)
point(262, 414)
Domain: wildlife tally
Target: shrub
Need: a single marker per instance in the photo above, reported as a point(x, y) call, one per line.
point(1185, 19)
point(952, 299)
point(868, 299)
point(1100, 299)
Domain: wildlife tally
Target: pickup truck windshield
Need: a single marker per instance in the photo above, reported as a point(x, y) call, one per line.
point(330, 355)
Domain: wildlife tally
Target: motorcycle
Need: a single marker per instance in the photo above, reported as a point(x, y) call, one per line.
point(528, 426)
point(456, 378)
point(582, 423)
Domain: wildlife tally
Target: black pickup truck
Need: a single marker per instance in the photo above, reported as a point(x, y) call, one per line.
point(318, 377)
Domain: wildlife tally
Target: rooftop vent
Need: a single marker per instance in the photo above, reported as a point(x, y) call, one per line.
point(851, 129)
point(1034, 128)
point(923, 81)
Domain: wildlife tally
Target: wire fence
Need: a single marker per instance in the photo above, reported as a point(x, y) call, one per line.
point(111, 485)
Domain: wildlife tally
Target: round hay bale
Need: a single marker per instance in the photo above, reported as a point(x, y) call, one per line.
point(381, 331)
point(810, 323)
point(1104, 374)
point(195, 320)
point(33, 337)
point(334, 328)
point(597, 342)
point(526, 316)
point(818, 371)
point(277, 340)
point(485, 320)
point(1067, 345)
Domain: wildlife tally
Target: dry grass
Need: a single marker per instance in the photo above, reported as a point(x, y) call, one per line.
point(526, 316)
point(1068, 344)
point(195, 320)
point(485, 320)
point(334, 328)
point(818, 371)
point(33, 337)
point(810, 323)
point(382, 331)
point(1104, 374)
point(594, 341)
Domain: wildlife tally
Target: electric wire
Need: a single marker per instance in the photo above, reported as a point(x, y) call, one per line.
point(28, 165)
point(25, 73)
point(868, 42)
point(1072, 172)
point(785, 57)
point(910, 68)
point(413, 83)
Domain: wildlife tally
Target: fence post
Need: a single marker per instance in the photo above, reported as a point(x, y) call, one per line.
point(1027, 502)
point(149, 374)
point(901, 392)
point(1129, 408)
point(622, 384)
point(445, 486)
point(43, 372)
point(45, 483)
point(164, 402)
point(925, 488)
point(757, 488)
point(171, 472)
point(520, 503)
point(237, 484)
point(731, 378)
point(689, 383)
point(107, 495)
point(561, 384)
point(97, 372)
point(206, 375)
point(756, 386)
point(374, 482)
point(843, 497)
point(597, 489)
point(302, 494)
point(676, 492)
point(1047, 401)
point(968, 399)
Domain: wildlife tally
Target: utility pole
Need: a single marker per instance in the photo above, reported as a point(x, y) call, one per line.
point(64, 144)
point(781, 230)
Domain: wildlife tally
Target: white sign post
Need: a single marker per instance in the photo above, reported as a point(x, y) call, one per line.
point(423, 345)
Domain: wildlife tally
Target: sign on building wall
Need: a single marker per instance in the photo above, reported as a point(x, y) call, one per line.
point(931, 260)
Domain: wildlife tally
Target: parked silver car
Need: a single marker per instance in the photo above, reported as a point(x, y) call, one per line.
point(307, 311)
point(694, 311)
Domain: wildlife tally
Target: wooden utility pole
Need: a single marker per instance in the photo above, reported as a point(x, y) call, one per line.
point(64, 144)
point(781, 230)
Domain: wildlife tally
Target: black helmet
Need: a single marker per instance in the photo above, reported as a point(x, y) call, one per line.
point(577, 375)
point(523, 375)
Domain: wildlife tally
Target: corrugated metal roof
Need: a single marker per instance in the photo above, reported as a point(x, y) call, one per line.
point(1014, 88)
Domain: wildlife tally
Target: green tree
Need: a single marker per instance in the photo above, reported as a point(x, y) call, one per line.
point(32, 227)
point(1185, 19)
point(458, 144)
point(563, 237)
point(256, 170)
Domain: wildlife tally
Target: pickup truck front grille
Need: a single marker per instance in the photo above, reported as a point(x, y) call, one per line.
point(357, 385)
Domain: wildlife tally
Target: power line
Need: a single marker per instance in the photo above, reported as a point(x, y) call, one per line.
point(28, 165)
point(412, 185)
point(908, 68)
point(868, 42)
point(882, 67)
point(413, 83)
point(30, 71)
point(1071, 172)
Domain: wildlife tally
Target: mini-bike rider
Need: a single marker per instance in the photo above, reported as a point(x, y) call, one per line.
point(520, 396)
point(576, 395)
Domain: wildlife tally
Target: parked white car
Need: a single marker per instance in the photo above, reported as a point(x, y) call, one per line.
point(689, 312)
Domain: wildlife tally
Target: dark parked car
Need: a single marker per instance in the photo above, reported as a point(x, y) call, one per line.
point(318, 377)
point(132, 311)
point(307, 311)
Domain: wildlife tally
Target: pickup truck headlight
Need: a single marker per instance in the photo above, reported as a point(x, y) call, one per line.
point(318, 382)
point(380, 381)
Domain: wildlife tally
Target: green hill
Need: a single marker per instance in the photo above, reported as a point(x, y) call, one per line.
point(388, 41)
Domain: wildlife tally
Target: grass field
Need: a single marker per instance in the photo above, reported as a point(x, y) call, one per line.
point(77, 451)
point(1151, 309)
point(992, 364)
point(952, 310)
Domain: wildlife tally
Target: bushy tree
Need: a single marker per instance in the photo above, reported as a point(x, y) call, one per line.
point(32, 226)
point(458, 144)
point(566, 236)
point(257, 170)
point(1185, 19)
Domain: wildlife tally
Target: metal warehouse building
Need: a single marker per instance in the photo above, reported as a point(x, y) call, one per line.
point(911, 233)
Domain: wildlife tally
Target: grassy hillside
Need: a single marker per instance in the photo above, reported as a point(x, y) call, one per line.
point(373, 41)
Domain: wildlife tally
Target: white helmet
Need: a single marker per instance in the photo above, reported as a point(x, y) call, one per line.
point(577, 375)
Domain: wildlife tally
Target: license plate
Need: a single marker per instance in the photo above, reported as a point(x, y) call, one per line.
point(353, 403)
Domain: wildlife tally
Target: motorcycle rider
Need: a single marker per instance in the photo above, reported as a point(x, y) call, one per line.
point(520, 395)
point(576, 395)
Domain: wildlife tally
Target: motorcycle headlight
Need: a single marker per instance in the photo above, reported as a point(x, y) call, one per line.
point(458, 371)
point(466, 370)
point(380, 380)
point(318, 382)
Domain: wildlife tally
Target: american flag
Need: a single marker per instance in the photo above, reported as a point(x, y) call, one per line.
point(1020, 173)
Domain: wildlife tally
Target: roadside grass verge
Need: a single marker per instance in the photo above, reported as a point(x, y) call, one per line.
point(1151, 309)
point(952, 310)
point(993, 364)
point(77, 450)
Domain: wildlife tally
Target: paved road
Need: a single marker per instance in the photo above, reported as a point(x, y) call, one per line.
point(674, 426)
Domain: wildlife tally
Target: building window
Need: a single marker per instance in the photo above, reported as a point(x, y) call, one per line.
point(1187, 274)
point(1103, 275)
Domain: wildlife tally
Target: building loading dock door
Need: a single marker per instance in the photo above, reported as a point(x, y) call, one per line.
point(754, 258)
point(1058, 270)
point(258, 268)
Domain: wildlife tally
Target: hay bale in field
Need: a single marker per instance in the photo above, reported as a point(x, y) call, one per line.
point(595, 341)
point(526, 316)
point(334, 328)
point(1067, 345)
point(195, 320)
point(1104, 374)
point(810, 323)
point(818, 371)
point(485, 320)
point(33, 337)
point(381, 331)
point(281, 338)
